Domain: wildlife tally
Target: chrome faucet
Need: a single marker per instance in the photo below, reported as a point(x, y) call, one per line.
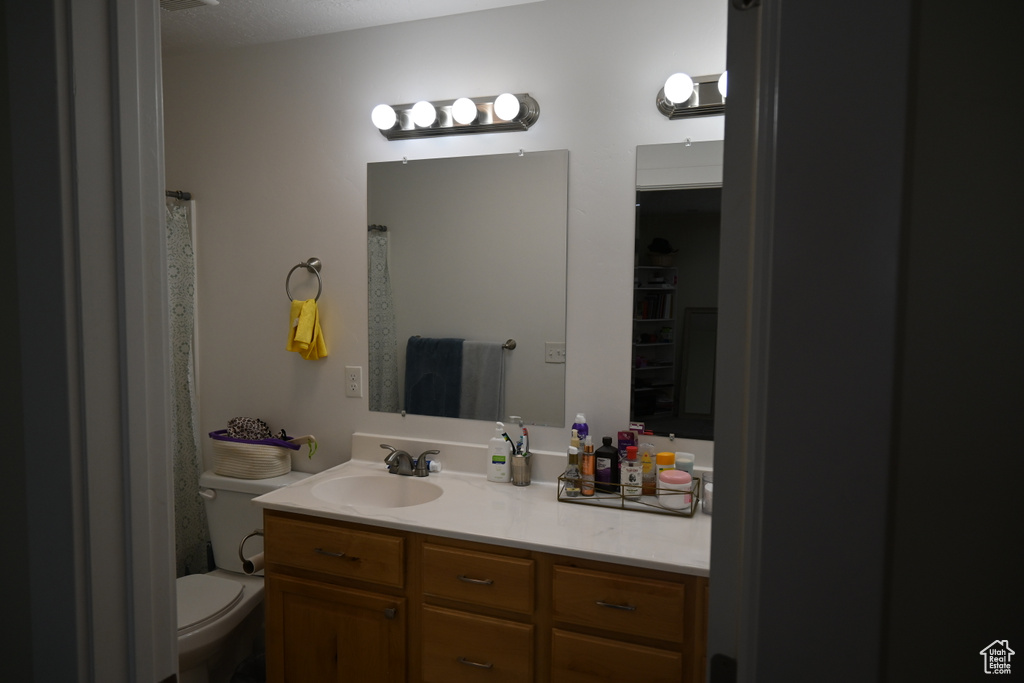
point(400, 462)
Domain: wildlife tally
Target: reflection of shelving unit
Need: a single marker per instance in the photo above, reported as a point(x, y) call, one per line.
point(653, 385)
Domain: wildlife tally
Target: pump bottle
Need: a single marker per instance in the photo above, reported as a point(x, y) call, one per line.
point(499, 467)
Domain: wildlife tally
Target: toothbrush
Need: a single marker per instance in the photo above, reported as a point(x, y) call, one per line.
point(521, 446)
point(526, 442)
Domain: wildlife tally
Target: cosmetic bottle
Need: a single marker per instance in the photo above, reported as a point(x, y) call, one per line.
point(684, 461)
point(666, 460)
point(498, 452)
point(631, 475)
point(650, 481)
point(606, 466)
point(580, 425)
point(588, 465)
point(572, 474)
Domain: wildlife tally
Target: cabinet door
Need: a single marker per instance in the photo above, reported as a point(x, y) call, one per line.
point(478, 578)
point(458, 646)
point(624, 604)
point(328, 634)
point(578, 658)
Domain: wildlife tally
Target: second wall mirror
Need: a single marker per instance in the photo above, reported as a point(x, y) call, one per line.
point(675, 288)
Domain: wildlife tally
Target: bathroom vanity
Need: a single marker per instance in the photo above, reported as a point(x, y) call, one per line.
point(486, 582)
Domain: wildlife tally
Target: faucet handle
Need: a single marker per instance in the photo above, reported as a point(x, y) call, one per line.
point(422, 470)
point(390, 460)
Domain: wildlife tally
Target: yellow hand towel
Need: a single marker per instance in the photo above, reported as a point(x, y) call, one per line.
point(305, 336)
point(293, 324)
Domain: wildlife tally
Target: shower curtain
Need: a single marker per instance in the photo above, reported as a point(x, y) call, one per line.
point(383, 373)
point(190, 530)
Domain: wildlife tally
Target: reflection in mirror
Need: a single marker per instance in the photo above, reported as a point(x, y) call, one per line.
point(475, 250)
point(675, 300)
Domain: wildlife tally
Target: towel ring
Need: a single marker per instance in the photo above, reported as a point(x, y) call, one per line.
point(312, 265)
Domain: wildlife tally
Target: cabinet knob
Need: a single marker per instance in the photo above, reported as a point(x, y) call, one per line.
point(390, 613)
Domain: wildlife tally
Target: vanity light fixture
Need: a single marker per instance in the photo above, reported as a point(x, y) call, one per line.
point(683, 96)
point(505, 113)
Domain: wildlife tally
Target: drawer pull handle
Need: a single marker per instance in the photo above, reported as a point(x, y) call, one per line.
point(628, 608)
point(467, 662)
point(479, 582)
point(328, 553)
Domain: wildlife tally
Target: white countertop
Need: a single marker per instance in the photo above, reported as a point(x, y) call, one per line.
point(531, 517)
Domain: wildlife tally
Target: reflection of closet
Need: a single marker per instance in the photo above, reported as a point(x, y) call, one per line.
point(654, 341)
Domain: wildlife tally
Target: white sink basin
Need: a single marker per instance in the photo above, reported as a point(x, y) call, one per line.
point(388, 491)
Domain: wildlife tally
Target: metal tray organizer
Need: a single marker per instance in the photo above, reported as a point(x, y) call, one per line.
point(617, 500)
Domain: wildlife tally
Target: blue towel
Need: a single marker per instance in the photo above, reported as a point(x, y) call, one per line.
point(433, 376)
point(482, 379)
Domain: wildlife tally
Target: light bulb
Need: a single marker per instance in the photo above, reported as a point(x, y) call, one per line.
point(678, 88)
point(423, 114)
point(383, 116)
point(723, 83)
point(464, 110)
point(506, 107)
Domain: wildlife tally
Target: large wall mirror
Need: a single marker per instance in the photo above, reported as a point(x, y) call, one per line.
point(675, 288)
point(473, 249)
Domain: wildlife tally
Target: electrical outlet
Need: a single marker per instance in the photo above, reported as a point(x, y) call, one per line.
point(554, 352)
point(353, 381)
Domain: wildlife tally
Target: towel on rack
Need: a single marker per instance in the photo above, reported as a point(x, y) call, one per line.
point(482, 380)
point(433, 376)
point(304, 334)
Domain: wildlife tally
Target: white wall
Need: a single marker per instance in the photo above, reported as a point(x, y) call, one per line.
point(273, 141)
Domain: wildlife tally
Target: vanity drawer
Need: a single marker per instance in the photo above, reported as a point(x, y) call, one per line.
point(458, 646)
point(348, 553)
point(614, 602)
point(577, 658)
point(478, 578)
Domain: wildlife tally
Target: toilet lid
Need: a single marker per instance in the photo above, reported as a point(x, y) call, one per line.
point(202, 597)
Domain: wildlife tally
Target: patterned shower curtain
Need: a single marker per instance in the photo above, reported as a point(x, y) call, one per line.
point(190, 530)
point(383, 373)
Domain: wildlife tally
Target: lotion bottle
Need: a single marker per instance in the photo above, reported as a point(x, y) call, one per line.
point(499, 468)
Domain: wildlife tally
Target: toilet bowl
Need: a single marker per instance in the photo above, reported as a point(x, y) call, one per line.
point(220, 614)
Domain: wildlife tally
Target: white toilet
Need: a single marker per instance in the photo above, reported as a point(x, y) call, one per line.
point(220, 614)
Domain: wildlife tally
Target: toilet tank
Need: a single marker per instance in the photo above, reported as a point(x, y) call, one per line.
point(231, 515)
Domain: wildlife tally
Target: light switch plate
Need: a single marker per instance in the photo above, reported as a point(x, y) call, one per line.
point(554, 352)
point(353, 381)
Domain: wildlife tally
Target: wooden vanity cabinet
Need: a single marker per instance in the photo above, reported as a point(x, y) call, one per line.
point(351, 602)
point(335, 603)
point(615, 625)
point(477, 607)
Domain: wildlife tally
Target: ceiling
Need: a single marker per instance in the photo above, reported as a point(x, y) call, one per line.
point(234, 23)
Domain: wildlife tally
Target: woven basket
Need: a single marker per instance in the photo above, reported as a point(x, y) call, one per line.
point(262, 459)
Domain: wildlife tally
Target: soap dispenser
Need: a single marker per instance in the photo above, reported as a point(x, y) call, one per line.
point(498, 465)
